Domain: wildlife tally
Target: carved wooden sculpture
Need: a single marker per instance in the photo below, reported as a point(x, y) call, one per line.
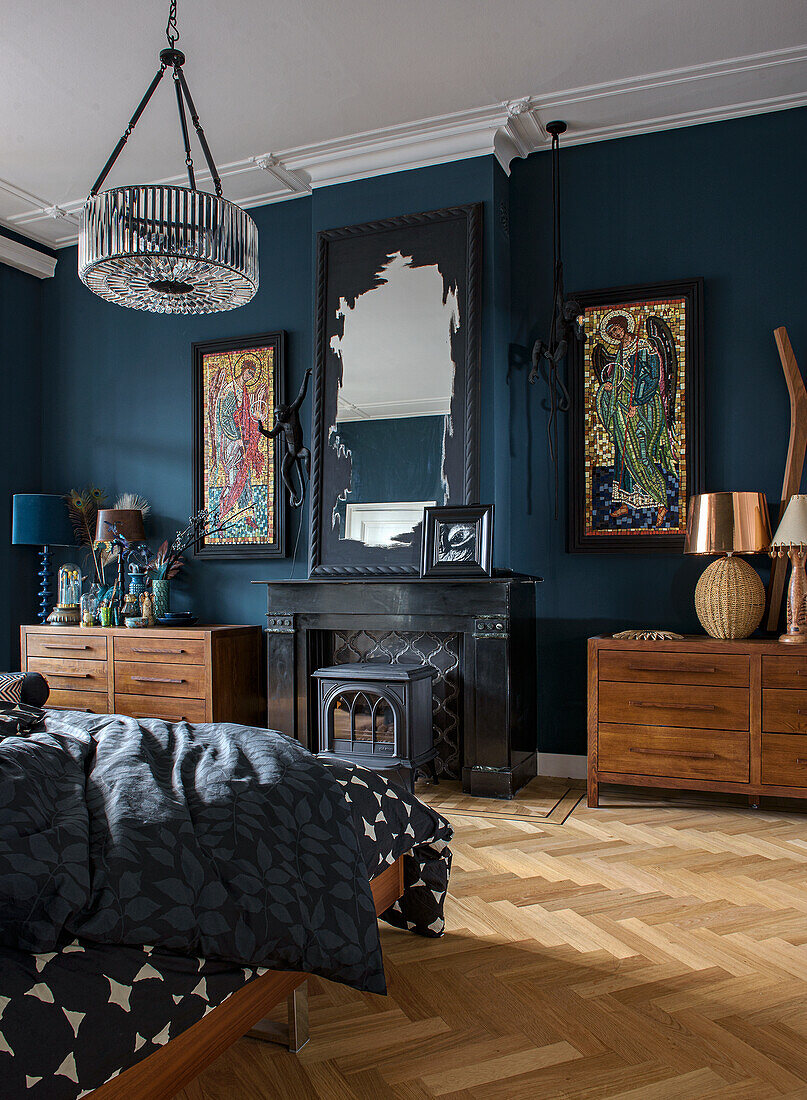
point(794, 465)
point(797, 594)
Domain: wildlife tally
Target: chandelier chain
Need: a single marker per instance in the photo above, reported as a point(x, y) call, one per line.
point(171, 28)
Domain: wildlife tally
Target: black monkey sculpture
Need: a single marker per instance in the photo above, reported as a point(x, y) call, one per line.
point(295, 455)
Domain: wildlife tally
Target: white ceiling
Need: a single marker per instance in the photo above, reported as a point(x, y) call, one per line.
point(294, 78)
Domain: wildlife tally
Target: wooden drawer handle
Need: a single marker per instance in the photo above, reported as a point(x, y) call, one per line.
point(162, 718)
point(71, 675)
point(666, 668)
point(156, 680)
point(673, 706)
point(677, 752)
point(173, 652)
point(54, 645)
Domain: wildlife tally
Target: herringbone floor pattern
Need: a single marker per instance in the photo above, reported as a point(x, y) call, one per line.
point(641, 950)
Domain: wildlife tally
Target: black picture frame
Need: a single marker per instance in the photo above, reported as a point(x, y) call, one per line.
point(277, 341)
point(330, 556)
point(480, 516)
point(581, 540)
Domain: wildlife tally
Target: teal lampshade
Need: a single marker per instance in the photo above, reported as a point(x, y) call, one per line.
point(40, 519)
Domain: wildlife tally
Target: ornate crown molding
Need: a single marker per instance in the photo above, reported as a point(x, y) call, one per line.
point(732, 88)
point(26, 259)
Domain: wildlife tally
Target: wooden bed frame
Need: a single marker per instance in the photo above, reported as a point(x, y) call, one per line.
point(165, 1072)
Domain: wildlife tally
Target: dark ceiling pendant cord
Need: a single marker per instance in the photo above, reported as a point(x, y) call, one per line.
point(547, 357)
point(176, 59)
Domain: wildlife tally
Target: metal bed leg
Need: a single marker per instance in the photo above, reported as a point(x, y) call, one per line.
point(294, 1035)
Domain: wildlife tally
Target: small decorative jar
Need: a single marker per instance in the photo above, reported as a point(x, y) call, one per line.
point(138, 581)
point(88, 609)
point(161, 588)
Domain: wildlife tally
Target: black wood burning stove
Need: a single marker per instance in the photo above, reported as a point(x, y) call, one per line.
point(378, 715)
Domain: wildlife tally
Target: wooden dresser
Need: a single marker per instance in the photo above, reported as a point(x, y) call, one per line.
point(698, 714)
point(200, 673)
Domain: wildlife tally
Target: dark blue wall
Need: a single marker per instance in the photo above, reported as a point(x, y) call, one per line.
point(724, 201)
point(20, 438)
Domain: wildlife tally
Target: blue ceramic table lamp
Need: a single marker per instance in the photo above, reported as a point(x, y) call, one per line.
point(41, 519)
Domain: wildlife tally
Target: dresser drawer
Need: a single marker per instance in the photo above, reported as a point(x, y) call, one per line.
point(784, 710)
point(70, 674)
point(155, 706)
point(784, 760)
point(710, 669)
point(186, 651)
point(77, 646)
point(152, 678)
point(674, 752)
point(93, 701)
point(784, 672)
point(714, 708)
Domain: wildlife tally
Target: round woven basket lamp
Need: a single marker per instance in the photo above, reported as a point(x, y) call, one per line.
point(730, 596)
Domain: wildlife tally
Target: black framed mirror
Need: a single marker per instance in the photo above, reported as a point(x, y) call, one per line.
point(396, 387)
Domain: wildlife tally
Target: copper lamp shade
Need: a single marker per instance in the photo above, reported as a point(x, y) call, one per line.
point(728, 523)
point(729, 597)
point(128, 521)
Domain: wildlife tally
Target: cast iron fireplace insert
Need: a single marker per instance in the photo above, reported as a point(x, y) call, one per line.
point(377, 714)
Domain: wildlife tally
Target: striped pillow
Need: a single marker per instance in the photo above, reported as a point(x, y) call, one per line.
point(11, 687)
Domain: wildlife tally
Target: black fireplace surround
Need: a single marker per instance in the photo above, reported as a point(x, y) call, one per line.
point(494, 621)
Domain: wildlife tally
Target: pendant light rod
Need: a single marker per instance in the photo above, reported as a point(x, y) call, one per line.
point(199, 131)
point(133, 121)
point(548, 356)
point(186, 140)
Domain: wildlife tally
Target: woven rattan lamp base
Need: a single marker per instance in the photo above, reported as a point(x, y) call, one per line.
point(730, 598)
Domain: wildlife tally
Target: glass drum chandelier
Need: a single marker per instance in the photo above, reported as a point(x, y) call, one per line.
point(162, 248)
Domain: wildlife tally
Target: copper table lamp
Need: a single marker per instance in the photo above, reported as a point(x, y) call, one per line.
point(730, 596)
point(790, 541)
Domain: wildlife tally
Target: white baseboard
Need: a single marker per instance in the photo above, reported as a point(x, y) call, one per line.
point(567, 767)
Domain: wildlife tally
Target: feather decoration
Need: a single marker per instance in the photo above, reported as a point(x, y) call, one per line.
point(161, 567)
point(133, 502)
point(82, 507)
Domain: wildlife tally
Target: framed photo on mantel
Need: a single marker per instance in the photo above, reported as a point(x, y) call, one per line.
point(457, 542)
point(635, 432)
point(236, 385)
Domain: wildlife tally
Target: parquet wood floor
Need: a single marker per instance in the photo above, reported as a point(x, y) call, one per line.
point(644, 950)
point(547, 798)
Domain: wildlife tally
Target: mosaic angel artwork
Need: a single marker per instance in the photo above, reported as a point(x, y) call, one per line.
point(236, 389)
point(635, 368)
point(636, 399)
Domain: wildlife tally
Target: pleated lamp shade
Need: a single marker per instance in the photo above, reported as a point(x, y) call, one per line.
point(792, 531)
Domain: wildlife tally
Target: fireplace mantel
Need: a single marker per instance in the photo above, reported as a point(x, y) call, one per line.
point(494, 618)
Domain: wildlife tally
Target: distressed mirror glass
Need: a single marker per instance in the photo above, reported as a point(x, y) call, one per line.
point(395, 388)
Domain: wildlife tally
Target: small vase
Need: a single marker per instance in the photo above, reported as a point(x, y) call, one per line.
point(162, 596)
